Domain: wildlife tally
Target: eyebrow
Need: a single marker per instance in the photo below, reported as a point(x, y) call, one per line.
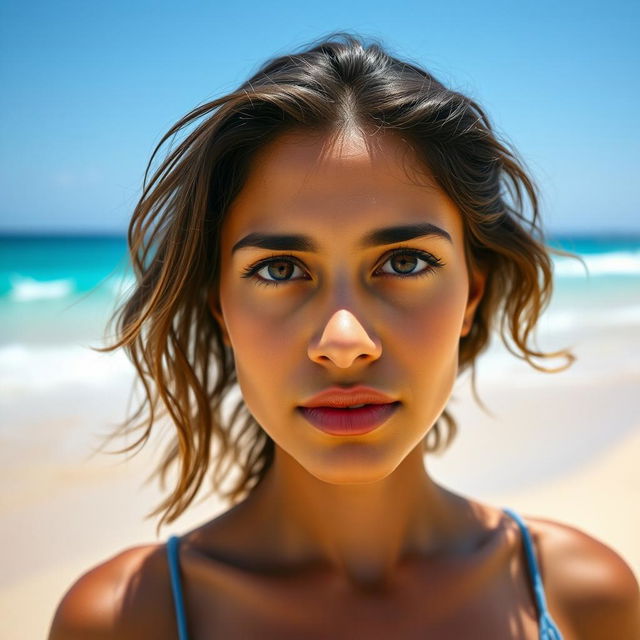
point(385, 235)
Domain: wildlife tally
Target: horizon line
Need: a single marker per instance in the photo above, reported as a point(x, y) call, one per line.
point(112, 233)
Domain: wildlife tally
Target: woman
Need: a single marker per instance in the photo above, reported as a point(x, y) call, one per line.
point(338, 237)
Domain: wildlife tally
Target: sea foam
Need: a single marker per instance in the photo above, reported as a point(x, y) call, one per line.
point(26, 289)
point(614, 263)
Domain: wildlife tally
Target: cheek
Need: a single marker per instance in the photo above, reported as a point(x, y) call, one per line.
point(427, 347)
point(254, 333)
point(258, 335)
point(433, 324)
point(260, 344)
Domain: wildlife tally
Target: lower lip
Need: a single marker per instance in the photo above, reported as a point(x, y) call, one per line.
point(349, 422)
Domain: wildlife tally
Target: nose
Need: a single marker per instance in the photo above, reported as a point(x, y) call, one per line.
point(343, 341)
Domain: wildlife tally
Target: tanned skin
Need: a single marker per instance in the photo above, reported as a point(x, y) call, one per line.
point(349, 536)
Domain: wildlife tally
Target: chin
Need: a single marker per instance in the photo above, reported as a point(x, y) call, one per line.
point(353, 467)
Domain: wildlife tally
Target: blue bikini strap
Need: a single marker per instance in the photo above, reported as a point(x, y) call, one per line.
point(173, 545)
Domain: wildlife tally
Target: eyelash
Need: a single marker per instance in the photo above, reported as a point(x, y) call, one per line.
point(433, 263)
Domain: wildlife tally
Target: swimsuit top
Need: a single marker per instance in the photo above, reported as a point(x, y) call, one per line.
point(548, 628)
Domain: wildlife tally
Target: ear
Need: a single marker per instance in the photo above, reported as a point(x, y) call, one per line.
point(214, 306)
point(477, 282)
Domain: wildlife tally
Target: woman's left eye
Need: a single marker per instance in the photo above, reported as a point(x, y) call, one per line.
point(406, 260)
point(398, 258)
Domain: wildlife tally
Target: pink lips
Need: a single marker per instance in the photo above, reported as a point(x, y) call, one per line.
point(327, 410)
point(349, 422)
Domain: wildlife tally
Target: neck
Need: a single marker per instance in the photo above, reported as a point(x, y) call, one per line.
point(362, 532)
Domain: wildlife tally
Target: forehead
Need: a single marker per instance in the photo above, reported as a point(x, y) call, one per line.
point(308, 182)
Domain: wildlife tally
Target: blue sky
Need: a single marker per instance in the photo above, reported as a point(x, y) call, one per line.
point(89, 88)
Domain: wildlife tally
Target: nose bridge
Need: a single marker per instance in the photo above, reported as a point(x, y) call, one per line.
point(342, 284)
point(344, 297)
point(344, 334)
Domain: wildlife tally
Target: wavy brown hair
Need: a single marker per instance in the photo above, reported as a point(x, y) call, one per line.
point(165, 324)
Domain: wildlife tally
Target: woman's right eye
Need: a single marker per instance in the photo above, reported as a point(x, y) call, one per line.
point(278, 268)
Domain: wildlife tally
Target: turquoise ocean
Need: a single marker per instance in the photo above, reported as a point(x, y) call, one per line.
point(57, 289)
point(57, 292)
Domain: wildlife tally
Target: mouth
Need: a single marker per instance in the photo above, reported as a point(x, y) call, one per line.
point(344, 421)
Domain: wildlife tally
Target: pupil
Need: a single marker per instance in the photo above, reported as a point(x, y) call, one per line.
point(280, 270)
point(407, 260)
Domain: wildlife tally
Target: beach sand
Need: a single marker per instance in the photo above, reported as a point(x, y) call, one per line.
point(561, 446)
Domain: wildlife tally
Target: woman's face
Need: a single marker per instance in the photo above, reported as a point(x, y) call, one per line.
point(336, 310)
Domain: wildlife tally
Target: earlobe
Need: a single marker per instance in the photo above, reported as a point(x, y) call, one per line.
point(477, 282)
point(216, 312)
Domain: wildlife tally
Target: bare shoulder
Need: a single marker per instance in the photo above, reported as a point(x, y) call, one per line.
point(125, 596)
point(588, 585)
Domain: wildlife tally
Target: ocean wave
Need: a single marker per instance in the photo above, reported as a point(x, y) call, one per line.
point(26, 289)
point(614, 263)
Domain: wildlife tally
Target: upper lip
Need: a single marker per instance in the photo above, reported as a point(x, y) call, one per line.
point(341, 397)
